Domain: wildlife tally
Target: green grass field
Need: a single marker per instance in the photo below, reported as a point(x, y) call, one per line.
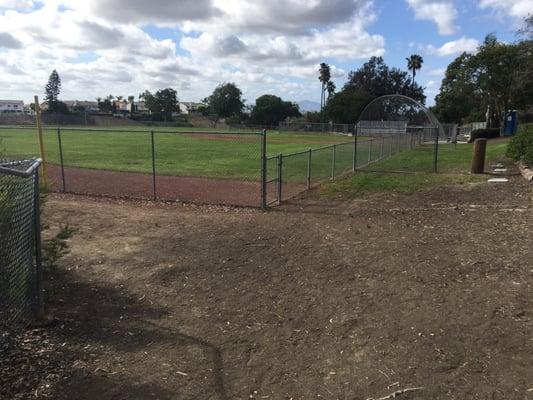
point(453, 168)
point(179, 151)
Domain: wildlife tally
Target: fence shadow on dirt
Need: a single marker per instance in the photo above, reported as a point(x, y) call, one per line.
point(94, 318)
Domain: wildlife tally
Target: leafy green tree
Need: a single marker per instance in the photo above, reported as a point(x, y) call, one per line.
point(330, 88)
point(168, 102)
point(163, 102)
point(324, 76)
point(271, 110)
point(376, 79)
point(458, 96)
point(414, 63)
point(225, 102)
point(106, 105)
point(346, 106)
point(498, 76)
point(52, 90)
point(527, 28)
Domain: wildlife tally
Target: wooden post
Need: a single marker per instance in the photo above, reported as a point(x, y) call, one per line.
point(478, 159)
point(41, 141)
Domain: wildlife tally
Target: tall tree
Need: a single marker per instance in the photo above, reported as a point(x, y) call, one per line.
point(324, 76)
point(163, 102)
point(106, 105)
point(527, 28)
point(330, 87)
point(376, 79)
point(52, 90)
point(414, 63)
point(225, 101)
point(458, 96)
point(345, 106)
point(271, 110)
point(167, 100)
point(498, 76)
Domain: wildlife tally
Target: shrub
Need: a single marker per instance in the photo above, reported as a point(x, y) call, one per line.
point(521, 146)
point(489, 133)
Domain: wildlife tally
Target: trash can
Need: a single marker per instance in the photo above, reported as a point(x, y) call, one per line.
point(511, 123)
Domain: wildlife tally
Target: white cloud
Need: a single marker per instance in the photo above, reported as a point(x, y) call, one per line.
point(16, 4)
point(454, 47)
point(441, 12)
point(259, 45)
point(513, 8)
point(153, 11)
point(7, 41)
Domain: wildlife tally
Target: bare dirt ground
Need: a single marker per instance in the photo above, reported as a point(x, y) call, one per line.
point(354, 300)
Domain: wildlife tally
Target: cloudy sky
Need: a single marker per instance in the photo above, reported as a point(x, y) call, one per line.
point(123, 47)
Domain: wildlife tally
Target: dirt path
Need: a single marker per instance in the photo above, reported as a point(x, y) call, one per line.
point(347, 302)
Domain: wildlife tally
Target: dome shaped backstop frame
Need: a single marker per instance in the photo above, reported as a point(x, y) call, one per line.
point(396, 113)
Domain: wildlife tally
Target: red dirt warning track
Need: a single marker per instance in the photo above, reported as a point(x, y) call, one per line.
point(169, 188)
point(134, 185)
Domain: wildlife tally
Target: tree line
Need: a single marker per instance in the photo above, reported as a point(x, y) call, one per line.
point(372, 80)
point(497, 78)
point(225, 102)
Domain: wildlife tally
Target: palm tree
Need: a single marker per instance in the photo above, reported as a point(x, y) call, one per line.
point(414, 63)
point(324, 77)
point(330, 87)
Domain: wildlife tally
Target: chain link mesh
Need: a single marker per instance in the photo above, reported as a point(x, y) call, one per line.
point(17, 244)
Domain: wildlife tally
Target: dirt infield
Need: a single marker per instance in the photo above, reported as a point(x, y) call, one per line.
point(353, 301)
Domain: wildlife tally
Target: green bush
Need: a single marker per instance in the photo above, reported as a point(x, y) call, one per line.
point(521, 146)
point(489, 133)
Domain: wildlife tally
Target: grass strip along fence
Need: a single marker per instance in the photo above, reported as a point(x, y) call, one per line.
point(286, 175)
point(230, 168)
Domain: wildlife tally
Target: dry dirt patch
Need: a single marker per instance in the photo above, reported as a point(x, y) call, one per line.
point(350, 302)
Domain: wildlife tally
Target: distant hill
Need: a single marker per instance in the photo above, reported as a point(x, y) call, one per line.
point(308, 105)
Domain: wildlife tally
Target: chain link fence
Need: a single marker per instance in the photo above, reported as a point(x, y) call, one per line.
point(20, 250)
point(409, 150)
point(204, 167)
point(238, 168)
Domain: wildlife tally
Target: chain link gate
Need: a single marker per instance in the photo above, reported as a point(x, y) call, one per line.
point(20, 245)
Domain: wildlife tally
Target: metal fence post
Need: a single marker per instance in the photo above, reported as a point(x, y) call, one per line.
point(436, 159)
point(153, 166)
point(309, 169)
point(38, 300)
point(382, 145)
point(354, 151)
point(399, 142)
point(60, 144)
point(263, 170)
point(333, 160)
point(370, 151)
point(280, 177)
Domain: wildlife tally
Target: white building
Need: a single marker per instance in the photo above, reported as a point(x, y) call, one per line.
point(187, 107)
point(11, 107)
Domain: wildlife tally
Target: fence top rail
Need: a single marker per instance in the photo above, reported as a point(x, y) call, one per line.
point(329, 146)
point(8, 167)
point(183, 131)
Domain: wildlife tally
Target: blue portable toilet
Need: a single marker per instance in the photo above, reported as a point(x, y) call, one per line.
point(511, 123)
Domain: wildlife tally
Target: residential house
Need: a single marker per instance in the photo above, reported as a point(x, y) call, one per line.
point(122, 106)
point(11, 107)
point(140, 107)
point(188, 107)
